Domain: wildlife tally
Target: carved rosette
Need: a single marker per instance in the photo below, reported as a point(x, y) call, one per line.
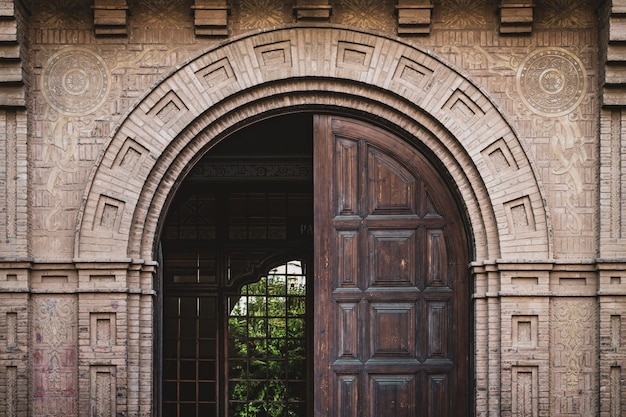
point(552, 82)
point(76, 82)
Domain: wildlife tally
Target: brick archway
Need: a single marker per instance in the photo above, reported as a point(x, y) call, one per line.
point(334, 69)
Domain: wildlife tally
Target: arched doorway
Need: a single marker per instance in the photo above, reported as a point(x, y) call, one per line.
point(349, 71)
point(387, 314)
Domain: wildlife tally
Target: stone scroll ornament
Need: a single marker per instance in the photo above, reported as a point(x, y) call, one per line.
point(552, 82)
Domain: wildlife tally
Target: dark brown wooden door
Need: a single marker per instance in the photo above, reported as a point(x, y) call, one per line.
point(391, 283)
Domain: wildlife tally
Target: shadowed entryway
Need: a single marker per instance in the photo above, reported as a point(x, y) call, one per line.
point(379, 245)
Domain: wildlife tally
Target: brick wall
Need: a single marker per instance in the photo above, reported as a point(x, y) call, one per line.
point(101, 113)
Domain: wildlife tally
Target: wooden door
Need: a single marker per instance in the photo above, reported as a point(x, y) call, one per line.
point(391, 283)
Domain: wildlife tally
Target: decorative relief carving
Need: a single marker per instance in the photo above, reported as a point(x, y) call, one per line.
point(570, 152)
point(216, 73)
point(616, 169)
point(109, 213)
point(520, 215)
point(525, 392)
point(615, 387)
point(463, 107)
point(103, 395)
point(564, 13)
point(162, 14)
point(11, 391)
point(103, 387)
point(231, 170)
point(616, 331)
point(11, 337)
point(75, 84)
point(372, 14)
point(168, 108)
point(54, 356)
point(354, 55)
point(63, 14)
point(573, 321)
point(103, 329)
point(274, 55)
point(256, 14)
point(552, 82)
point(499, 157)
point(524, 331)
point(495, 62)
point(59, 151)
point(412, 73)
point(130, 157)
point(463, 14)
point(11, 146)
point(75, 81)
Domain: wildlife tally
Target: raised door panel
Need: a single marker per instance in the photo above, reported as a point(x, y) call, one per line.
point(346, 176)
point(393, 330)
point(393, 395)
point(392, 257)
point(391, 188)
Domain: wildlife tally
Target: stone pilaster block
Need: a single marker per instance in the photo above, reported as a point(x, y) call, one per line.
point(414, 17)
point(211, 17)
point(319, 10)
point(110, 18)
point(516, 16)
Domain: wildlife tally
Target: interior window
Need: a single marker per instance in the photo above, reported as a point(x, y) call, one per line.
point(267, 345)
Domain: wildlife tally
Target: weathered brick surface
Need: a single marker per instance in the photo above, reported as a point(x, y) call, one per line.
point(536, 155)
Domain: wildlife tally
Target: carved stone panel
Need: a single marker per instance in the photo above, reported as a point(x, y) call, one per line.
point(573, 379)
point(525, 387)
point(76, 81)
point(463, 108)
point(11, 391)
point(552, 82)
point(54, 358)
point(103, 388)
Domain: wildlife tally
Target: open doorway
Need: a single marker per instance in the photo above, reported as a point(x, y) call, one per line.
point(379, 243)
point(236, 248)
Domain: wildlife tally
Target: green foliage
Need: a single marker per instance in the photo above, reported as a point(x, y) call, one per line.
point(267, 349)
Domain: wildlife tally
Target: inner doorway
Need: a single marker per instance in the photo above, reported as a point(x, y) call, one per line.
point(379, 242)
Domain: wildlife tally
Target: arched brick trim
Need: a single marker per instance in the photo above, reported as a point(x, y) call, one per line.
point(297, 68)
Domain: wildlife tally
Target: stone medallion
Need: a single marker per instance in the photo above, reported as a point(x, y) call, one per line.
point(552, 82)
point(76, 82)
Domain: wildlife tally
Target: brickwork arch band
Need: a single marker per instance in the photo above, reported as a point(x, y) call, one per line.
point(313, 69)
